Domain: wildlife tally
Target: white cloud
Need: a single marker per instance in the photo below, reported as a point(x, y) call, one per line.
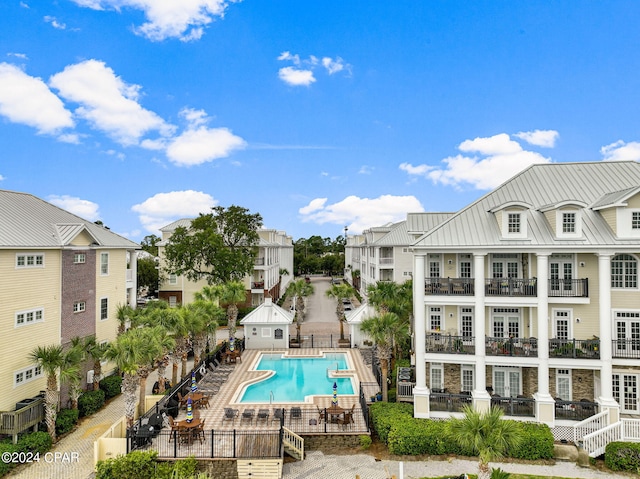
point(333, 66)
point(83, 208)
point(499, 159)
point(288, 56)
point(365, 170)
point(544, 138)
point(28, 100)
point(295, 77)
point(621, 151)
point(22, 56)
point(360, 213)
point(163, 208)
point(1, 178)
point(183, 19)
point(107, 102)
point(54, 22)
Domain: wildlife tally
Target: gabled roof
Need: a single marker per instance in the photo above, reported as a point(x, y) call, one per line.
point(268, 313)
point(540, 185)
point(184, 222)
point(420, 223)
point(27, 221)
point(617, 198)
point(359, 314)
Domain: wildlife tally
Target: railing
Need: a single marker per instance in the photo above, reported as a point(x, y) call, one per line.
point(14, 422)
point(575, 410)
point(569, 288)
point(518, 406)
point(404, 391)
point(449, 286)
point(574, 348)
point(522, 347)
point(445, 343)
point(386, 260)
point(319, 341)
point(448, 402)
point(294, 443)
point(589, 425)
point(596, 442)
point(259, 262)
point(626, 348)
point(257, 285)
point(511, 287)
point(631, 429)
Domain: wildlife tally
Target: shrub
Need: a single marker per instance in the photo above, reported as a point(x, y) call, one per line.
point(365, 441)
point(38, 441)
point(622, 456)
point(90, 402)
point(384, 415)
point(7, 446)
point(111, 385)
point(536, 442)
point(135, 465)
point(412, 436)
point(66, 419)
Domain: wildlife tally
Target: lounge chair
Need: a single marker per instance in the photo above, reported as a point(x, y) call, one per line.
point(230, 414)
point(263, 414)
point(247, 415)
point(296, 413)
point(278, 414)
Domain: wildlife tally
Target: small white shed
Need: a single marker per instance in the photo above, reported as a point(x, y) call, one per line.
point(267, 326)
point(354, 319)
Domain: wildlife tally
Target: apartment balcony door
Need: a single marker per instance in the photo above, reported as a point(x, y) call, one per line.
point(505, 323)
point(627, 331)
point(560, 272)
point(625, 391)
point(507, 381)
point(505, 265)
point(562, 324)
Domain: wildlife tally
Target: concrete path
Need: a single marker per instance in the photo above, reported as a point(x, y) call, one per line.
point(321, 310)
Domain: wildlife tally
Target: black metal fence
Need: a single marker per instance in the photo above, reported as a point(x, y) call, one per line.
point(318, 341)
point(575, 410)
point(518, 406)
point(448, 402)
point(626, 348)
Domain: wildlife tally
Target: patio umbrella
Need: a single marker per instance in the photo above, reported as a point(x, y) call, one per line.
point(231, 341)
point(189, 410)
point(194, 386)
point(334, 400)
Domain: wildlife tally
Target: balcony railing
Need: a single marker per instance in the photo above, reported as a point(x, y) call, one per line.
point(257, 285)
point(445, 343)
point(626, 348)
point(386, 260)
point(518, 406)
point(522, 347)
point(511, 287)
point(440, 401)
point(575, 410)
point(259, 262)
point(569, 288)
point(574, 348)
point(449, 286)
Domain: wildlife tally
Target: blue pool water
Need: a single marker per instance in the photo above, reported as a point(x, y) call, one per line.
point(296, 378)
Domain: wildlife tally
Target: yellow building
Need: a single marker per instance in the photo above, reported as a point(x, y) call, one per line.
point(60, 276)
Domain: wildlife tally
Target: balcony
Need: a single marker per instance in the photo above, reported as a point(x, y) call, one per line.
point(518, 347)
point(569, 288)
point(626, 348)
point(575, 410)
point(443, 401)
point(448, 344)
point(574, 348)
point(518, 406)
point(257, 285)
point(259, 262)
point(386, 260)
point(510, 287)
point(449, 286)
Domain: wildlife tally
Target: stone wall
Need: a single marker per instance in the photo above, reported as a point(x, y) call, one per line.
point(329, 443)
point(222, 468)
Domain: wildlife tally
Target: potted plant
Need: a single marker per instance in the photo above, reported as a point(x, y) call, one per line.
point(379, 396)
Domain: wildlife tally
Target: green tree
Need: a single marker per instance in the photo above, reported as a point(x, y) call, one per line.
point(54, 362)
point(96, 352)
point(124, 314)
point(383, 295)
point(486, 434)
point(383, 330)
point(340, 292)
point(207, 301)
point(231, 293)
point(150, 244)
point(388, 296)
point(299, 290)
point(218, 247)
point(147, 274)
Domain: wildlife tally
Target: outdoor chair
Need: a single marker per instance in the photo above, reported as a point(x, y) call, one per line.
point(346, 420)
point(278, 414)
point(321, 413)
point(247, 415)
point(263, 414)
point(296, 413)
point(199, 432)
point(230, 414)
point(173, 426)
point(204, 402)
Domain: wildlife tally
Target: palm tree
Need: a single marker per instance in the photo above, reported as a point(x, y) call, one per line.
point(53, 362)
point(157, 343)
point(207, 300)
point(299, 289)
point(340, 292)
point(96, 352)
point(383, 295)
point(124, 314)
point(232, 293)
point(486, 434)
point(172, 320)
point(383, 330)
point(74, 358)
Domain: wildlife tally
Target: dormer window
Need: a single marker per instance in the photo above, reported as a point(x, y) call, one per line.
point(513, 223)
point(569, 223)
point(635, 220)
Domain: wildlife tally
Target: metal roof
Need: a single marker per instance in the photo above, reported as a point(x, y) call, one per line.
point(541, 185)
point(268, 313)
point(27, 221)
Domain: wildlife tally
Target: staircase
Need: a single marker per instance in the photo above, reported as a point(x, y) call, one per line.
point(594, 433)
point(293, 444)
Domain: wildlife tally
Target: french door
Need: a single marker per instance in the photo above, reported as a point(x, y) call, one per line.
point(507, 381)
point(560, 273)
point(505, 323)
point(625, 391)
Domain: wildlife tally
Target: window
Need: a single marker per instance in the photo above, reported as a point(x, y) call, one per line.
point(25, 375)
point(466, 323)
point(635, 220)
point(464, 261)
point(624, 271)
point(104, 309)
point(29, 316)
point(435, 318)
point(79, 306)
point(79, 258)
point(568, 222)
point(278, 334)
point(434, 266)
point(104, 263)
point(31, 260)
point(437, 377)
point(467, 379)
point(173, 278)
point(513, 222)
point(563, 384)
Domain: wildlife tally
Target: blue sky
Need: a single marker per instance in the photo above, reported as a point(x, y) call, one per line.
point(318, 115)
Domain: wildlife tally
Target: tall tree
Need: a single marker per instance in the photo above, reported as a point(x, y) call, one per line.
point(486, 434)
point(124, 315)
point(96, 352)
point(148, 275)
point(231, 293)
point(150, 244)
point(383, 330)
point(207, 301)
point(299, 290)
point(383, 295)
point(340, 292)
point(218, 247)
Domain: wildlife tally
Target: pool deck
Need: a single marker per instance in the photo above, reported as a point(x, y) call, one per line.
point(242, 374)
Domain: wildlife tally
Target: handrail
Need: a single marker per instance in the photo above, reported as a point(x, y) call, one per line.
point(596, 442)
point(589, 425)
point(295, 442)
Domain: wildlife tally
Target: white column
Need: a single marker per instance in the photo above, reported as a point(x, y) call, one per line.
point(133, 266)
point(481, 398)
point(420, 391)
point(604, 310)
point(542, 285)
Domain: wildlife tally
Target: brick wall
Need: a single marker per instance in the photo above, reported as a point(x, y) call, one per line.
point(78, 284)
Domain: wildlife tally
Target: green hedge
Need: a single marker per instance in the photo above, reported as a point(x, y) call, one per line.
point(65, 420)
point(623, 456)
point(37, 442)
point(405, 435)
point(90, 402)
point(7, 446)
point(144, 464)
point(111, 385)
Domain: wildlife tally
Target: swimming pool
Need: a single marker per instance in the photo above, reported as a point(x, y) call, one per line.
point(297, 377)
